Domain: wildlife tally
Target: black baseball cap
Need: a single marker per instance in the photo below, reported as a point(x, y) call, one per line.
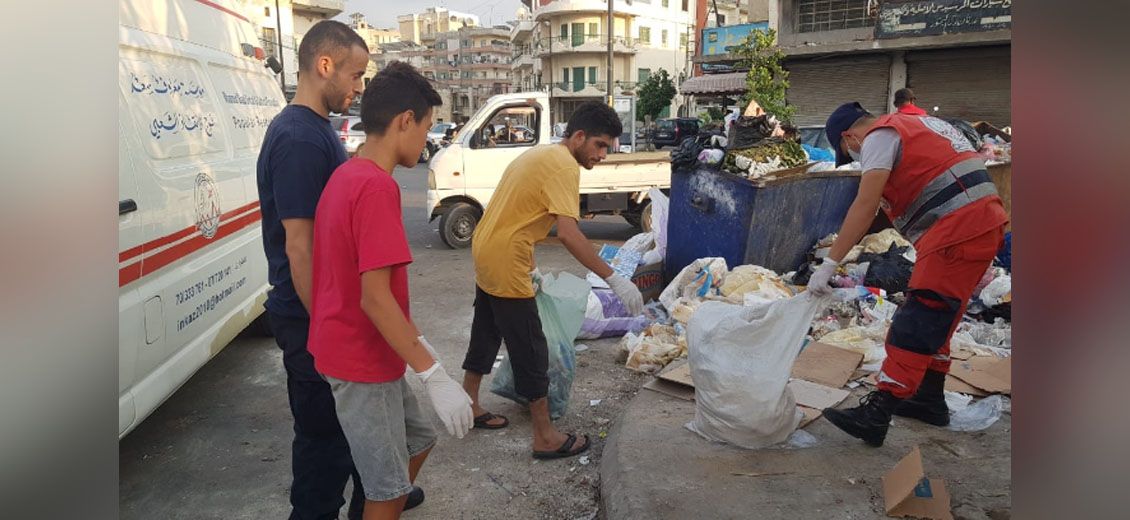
point(839, 122)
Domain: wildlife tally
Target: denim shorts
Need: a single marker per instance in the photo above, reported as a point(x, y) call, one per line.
point(385, 427)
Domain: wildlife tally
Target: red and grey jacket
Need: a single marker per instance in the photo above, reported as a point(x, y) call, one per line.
point(937, 173)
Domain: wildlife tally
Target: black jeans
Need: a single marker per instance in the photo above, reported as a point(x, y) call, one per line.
point(321, 462)
point(516, 321)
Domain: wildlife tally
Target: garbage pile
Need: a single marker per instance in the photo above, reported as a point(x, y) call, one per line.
point(754, 150)
point(712, 311)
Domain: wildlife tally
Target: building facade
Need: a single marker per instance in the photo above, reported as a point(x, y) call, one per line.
point(422, 28)
point(562, 48)
point(374, 38)
point(955, 54)
point(276, 36)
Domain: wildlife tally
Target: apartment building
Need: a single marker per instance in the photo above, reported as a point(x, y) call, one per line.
point(422, 28)
point(374, 38)
point(562, 48)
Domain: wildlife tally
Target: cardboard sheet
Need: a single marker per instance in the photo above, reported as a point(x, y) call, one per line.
point(825, 364)
point(991, 374)
point(954, 384)
point(810, 414)
point(908, 493)
point(815, 395)
point(677, 372)
point(675, 390)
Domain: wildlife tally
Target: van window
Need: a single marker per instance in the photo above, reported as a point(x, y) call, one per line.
point(509, 127)
point(666, 124)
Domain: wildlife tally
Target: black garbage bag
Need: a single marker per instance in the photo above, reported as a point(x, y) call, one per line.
point(888, 271)
point(748, 131)
point(1003, 311)
point(804, 273)
point(968, 131)
point(685, 155)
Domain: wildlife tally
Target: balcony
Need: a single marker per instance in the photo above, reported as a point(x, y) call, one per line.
point(325, 8)
point(522, 61)
point(523, 30)
point(494, 47)
point(588, 88)
point(591, 43)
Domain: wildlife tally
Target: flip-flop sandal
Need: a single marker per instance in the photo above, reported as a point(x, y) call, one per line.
point(482, 422)
point(566, 449)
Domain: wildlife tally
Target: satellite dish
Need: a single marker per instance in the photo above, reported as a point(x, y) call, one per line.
point(522, 13)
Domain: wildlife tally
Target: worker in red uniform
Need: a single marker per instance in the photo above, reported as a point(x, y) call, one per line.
point(904, 103)
point(935, 189)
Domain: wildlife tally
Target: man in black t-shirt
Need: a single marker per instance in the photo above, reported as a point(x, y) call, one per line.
point(300, 151)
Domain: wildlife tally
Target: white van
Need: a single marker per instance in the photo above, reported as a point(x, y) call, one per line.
point(463, 176)
point(194, 102)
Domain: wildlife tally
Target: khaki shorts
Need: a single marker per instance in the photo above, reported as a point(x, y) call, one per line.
point(384, 427)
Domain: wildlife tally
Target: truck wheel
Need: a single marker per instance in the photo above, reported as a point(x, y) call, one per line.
point(641, 219)
point(458, 224)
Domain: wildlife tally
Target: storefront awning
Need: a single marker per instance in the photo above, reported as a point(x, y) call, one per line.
point(729, 83)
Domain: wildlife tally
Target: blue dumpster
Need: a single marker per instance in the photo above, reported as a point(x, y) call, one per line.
point(768, 223)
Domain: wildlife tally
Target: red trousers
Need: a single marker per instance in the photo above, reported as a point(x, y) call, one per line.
point(939, 290)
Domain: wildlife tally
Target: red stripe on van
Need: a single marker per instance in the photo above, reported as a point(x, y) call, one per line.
point(224, 9)
point(169, 239)
point(139, 269)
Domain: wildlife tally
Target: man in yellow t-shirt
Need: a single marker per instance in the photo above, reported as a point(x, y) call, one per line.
point(538, 189)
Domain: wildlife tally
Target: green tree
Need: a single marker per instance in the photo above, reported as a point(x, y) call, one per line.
point(767, 80)
point(655, 94)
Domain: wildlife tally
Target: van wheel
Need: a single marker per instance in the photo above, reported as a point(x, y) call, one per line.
point(458, 224)
point(426, 154)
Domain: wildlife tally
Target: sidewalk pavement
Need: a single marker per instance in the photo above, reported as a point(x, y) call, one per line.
point(653, 467)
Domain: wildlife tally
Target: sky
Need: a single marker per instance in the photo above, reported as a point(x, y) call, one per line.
point(383, 13)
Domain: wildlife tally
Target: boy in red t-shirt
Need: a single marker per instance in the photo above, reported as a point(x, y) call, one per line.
point(361, 336)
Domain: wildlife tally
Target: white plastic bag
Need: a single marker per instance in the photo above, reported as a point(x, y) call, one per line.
point(659, 207)
point(977, 416)
point(740, 360)
point(714, 270)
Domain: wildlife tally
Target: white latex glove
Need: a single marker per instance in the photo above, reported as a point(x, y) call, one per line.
point(431, 350)
point(628, 292)
point(535, 277)
point(820, 282)
point(449, 400)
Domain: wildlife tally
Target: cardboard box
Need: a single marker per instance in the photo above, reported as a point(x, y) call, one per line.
point(649, 279)
point(908, 493)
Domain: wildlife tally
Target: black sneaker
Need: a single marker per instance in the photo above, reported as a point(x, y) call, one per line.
point(415, 498)
point(929, 403)
point(868, 421)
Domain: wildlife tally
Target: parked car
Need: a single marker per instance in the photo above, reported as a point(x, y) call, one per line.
point(352, 133)
point(672, 131)
point(438, 132)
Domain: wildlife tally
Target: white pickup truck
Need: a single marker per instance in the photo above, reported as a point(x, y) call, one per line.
point(463, 176)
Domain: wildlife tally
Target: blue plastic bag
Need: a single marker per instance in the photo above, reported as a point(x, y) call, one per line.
point(561, 304)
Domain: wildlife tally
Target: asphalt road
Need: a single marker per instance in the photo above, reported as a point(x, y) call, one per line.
point(220, 446)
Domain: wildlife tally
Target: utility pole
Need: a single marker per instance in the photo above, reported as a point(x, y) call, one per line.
point(549, 38)
point(611, 29)
point(282, 51)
